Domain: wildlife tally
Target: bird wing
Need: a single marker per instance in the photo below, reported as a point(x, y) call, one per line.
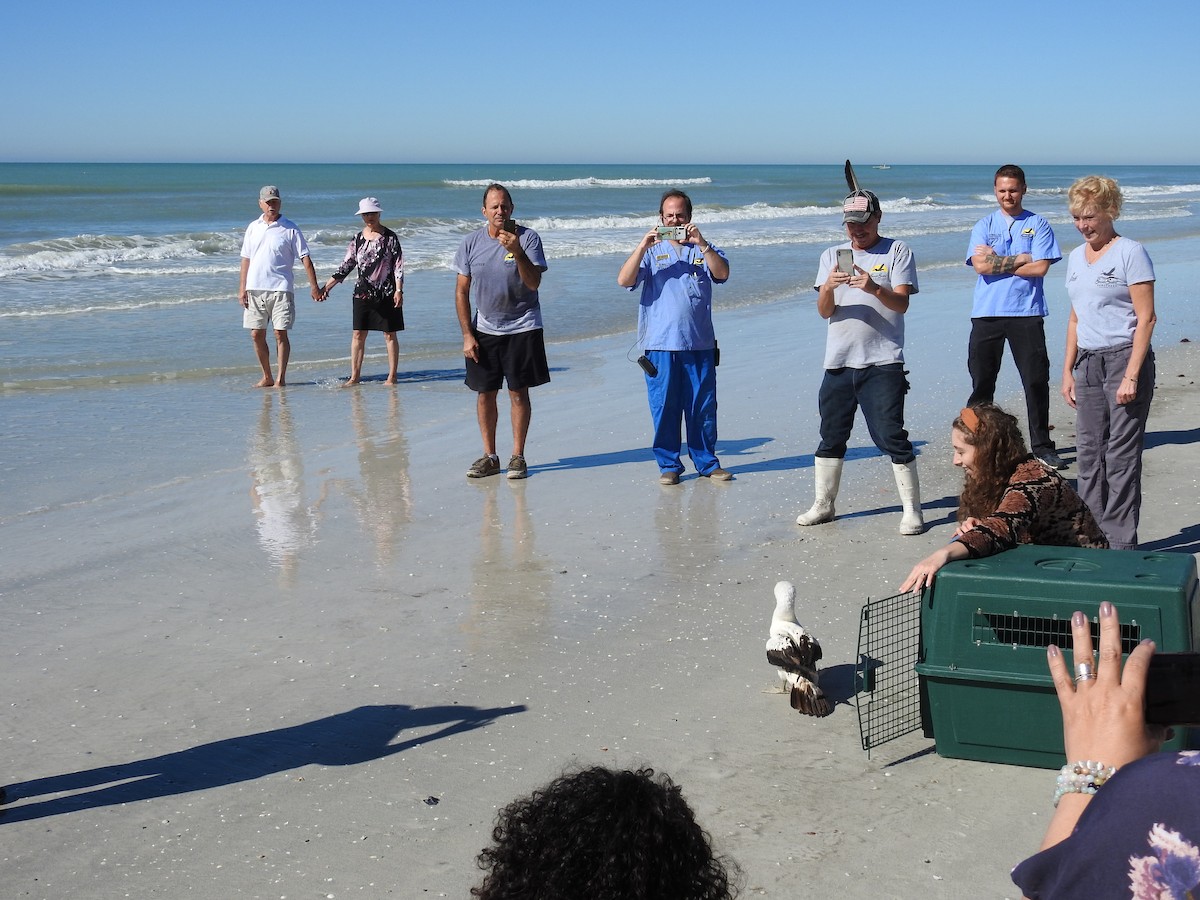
point(851, 181)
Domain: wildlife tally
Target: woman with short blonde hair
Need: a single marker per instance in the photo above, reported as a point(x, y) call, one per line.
point(1108, 369)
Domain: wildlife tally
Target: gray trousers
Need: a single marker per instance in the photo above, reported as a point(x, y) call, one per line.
point(1109, 441)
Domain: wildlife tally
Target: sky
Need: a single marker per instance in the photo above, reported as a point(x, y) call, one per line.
point(537, 82)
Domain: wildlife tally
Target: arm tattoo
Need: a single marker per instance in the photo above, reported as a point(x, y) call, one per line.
point(1003, 265)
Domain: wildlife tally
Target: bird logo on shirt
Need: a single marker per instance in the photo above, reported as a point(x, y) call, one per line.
point(880, 269)
point(1107, 279)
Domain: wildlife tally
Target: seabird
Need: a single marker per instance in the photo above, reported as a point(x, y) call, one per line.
point(795, 653)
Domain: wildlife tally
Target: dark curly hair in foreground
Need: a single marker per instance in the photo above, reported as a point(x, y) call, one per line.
point(599, 834)
point(999, 449)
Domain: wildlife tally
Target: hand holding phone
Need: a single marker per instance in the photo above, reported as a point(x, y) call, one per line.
point(845, 260)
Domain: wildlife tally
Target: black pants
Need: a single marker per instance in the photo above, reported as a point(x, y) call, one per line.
point(1027, 339)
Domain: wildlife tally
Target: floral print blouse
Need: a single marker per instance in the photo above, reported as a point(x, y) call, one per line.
point(1139, 838)
point(380, 262)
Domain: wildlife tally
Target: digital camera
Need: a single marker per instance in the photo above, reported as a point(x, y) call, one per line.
point(672, 232)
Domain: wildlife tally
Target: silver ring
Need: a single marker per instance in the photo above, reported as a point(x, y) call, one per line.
point(1084, 672)
point(1088, 677)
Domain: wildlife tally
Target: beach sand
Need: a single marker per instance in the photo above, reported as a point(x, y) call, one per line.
point(318, 660)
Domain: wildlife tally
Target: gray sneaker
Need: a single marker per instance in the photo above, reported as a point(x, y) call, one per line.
point(483, 467)
point(1052, 459)
point(517, 468)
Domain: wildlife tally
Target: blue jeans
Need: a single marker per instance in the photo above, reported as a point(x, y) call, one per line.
point(684, 390)
point(880, 391)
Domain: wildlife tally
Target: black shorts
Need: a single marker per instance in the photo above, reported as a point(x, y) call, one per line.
point(520, 358)
point(377, 312)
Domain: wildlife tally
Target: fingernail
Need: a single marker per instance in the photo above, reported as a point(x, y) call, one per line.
point(1077, 619)
point(1106, 609)
point(1052, 651)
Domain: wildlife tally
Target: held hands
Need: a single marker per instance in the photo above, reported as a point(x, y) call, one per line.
point(317, 293)
point(1103, 713)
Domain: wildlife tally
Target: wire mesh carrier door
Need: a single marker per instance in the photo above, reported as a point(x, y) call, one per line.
point(888, 696)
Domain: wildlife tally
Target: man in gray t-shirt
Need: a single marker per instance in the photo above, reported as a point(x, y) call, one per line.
point(502, 263)
point(863, 288)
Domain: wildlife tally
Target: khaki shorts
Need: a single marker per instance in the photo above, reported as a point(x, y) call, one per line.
point(276, 307)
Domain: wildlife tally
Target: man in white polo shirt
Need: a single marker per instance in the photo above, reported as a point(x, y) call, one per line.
point(269, 252)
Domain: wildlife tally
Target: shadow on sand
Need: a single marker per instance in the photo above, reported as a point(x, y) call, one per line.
point(345, 739)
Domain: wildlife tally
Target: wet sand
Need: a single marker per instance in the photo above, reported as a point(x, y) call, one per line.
point(314, 659)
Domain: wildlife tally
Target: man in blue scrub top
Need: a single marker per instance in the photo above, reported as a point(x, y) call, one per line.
point(676, 331)
point(1012, 249)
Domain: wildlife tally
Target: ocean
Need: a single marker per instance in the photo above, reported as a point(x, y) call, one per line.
point(123, 362)
point(113, 274)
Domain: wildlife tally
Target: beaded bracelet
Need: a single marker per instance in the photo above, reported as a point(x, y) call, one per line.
point(1084, 777)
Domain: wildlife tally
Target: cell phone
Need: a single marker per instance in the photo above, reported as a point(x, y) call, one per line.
point(845, 261)
point(510, 226)
point(1173, 689)
point(672, 232)
point(648, 367)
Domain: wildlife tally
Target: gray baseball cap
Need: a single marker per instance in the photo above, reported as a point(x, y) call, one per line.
point(859, 207)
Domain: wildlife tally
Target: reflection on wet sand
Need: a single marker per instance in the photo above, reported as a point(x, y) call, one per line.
point(286, 524)
point(510, 580)
point(687, 524)
point(382, 497)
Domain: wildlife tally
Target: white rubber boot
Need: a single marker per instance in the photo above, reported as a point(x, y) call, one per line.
point(909, 486)
point(828, 477)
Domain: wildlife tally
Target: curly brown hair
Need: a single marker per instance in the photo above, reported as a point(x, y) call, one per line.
point(999, 449)
point(601, 834)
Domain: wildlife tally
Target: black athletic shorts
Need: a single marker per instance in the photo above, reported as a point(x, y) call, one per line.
point(520, 358)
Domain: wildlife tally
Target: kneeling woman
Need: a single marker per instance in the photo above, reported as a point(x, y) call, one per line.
point(1009, 497)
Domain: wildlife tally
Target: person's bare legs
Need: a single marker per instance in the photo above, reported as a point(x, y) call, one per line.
point(358, 348)
point(521, 411)
point(263, 352)
point(393, 352)
point(283, 349)
point(485, 411)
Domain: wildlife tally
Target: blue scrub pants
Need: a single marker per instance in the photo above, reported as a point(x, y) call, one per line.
point(880, 391)
point(684, 390)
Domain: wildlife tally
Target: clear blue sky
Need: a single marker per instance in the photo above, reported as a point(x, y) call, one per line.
point(465, 81)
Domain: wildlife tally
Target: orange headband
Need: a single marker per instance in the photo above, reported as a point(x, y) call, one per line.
point(970, 418)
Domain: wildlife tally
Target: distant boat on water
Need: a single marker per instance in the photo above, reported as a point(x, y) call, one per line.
point(881, 167)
